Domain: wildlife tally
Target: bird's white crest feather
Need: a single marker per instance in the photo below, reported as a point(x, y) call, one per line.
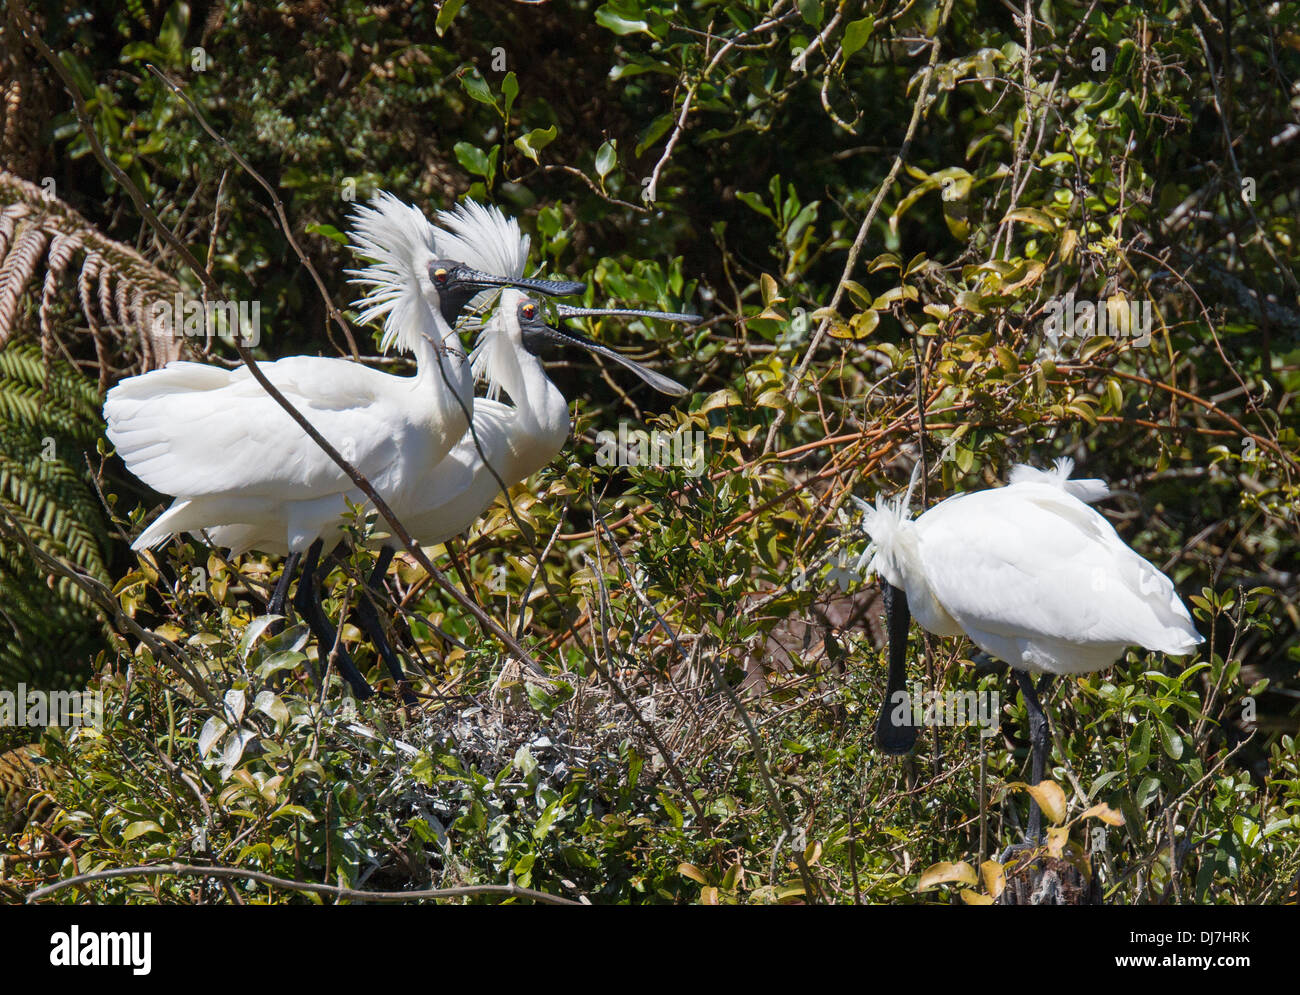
point(493, 348)
point(399, 241)
point(887, 523)
point(482, 238)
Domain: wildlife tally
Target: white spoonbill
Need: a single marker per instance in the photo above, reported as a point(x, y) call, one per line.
point(231, 455)
point(1029, 573)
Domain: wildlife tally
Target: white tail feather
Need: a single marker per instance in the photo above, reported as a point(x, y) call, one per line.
point(1087, 491)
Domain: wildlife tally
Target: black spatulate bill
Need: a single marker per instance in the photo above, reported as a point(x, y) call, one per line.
point(894, 736)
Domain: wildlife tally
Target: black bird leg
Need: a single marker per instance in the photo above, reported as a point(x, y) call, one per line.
point(308, 603)
point(892, 735)
point(368, 615)
point(280, 593)
point(1037, 740)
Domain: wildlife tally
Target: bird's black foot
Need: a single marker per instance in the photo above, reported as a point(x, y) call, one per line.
point(280, 594)
point(308, 603)
point(368, 616)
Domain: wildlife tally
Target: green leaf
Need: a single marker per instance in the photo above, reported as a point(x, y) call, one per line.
point(139, 829)
point(473, 158)
point(289, 811)
point(536, 140)
point(1170, 741)
point(477, 88)
point(607, 17)
point(546, 819)
point(754, 202)
point(171, 36)
point(422, 769)
point(655, 130)
point(446, 14)
point(606, 158)
point(328, 231)
point(284, 660)
point(857, 34)
point(509, 90)
point(812, 13)
point(270, 703)
point(212, 730)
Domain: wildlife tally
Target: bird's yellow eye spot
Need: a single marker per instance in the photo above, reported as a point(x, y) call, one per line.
point(440, 275)
point(528, 311)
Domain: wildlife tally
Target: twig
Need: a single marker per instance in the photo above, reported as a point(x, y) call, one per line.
point(510, 890)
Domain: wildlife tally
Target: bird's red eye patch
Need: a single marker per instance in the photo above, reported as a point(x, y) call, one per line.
point(528, 311)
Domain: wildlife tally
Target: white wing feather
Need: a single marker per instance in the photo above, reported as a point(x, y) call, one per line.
point(192, 430)
point(1039, 579)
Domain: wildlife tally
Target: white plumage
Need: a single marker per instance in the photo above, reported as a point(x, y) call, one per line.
point(518, 439)
point(245, 472)
point(1031, 574)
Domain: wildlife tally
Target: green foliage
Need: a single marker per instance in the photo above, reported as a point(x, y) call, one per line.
point(727, 157)
point(49, 420)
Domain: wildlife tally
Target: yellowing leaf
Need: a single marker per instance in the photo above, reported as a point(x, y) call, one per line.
point(893, 295)
point(1057, 837)
point(947, 873)
point(724, 398)
point(692, 872)
point(1032, 216)
point(1050, 798)
point(864, 323)
point(994, 877)
point(1105, 813)
point(1118, 314)
point(975, 898)
point(770, 290)
point(1007, 359)
point(1032, 272)
point(1069, 241)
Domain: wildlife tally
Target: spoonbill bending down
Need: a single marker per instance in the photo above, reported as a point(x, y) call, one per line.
point(1029, 573)
point(233, 458)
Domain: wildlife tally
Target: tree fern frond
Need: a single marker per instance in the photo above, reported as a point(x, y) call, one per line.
point(36, 226)
point(49, 419)
point(19, 266)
